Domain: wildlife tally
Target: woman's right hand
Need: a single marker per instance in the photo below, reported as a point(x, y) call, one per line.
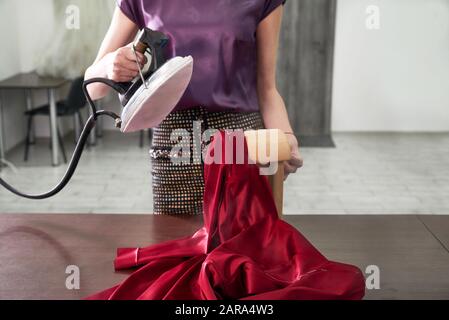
point(121, 64)
point(115, 59)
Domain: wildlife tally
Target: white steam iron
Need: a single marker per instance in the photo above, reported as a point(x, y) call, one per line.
point(149, 100)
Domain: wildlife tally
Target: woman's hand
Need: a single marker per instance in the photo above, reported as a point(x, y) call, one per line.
point(121, 64)
point(296, 161)
point(115, 60)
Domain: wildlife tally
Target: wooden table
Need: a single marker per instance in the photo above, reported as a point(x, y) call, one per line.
point(28, 82)
point(35, 250)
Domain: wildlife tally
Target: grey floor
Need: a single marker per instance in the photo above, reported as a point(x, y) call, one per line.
point(368, 173)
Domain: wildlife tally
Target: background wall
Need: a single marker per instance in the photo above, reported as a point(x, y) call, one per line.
point(10, 41)
point(36, 26)
point(395, 78)
point(29, 32)
point(305, 68)
point(24, 34)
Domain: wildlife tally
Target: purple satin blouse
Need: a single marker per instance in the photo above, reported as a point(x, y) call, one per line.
point(221, 37)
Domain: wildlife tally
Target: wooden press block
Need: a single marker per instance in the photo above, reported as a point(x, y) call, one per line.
point(269, 146)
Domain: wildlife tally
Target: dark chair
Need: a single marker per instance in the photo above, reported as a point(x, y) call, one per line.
point(142, 137)
point(71, 106)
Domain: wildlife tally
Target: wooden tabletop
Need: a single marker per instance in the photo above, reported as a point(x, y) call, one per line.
point(35, 250)
point(32, 80)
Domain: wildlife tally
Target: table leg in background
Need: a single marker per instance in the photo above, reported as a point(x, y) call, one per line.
point(76, 126)
point(53, 128)
point(99, 127)
point(29, 98)
point(93, 135)
point(2, 134)
point(93, 138)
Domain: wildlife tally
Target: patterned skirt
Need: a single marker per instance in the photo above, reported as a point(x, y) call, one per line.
point(178, 187)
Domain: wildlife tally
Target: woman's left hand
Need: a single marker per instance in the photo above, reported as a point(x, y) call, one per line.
point(296, 161)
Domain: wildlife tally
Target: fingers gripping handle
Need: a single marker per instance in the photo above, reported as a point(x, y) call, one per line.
point(155, 42)
point(150, 39)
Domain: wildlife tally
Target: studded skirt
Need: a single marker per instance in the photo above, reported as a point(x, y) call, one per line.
point(176, 156)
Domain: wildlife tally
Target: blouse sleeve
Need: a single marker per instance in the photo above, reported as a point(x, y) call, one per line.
point(270, 6)
point(130, 8)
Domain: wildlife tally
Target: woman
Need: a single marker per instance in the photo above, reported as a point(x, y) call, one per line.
point(234, 45)
point(243, 251)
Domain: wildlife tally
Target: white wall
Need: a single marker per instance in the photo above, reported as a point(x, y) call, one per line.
point(395, 78)
point(26, 30)
point(9, 40)
point(9, 66)
point(23, 34)
point(35, 30)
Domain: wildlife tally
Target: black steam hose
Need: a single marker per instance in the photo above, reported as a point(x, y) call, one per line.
point(90, 124)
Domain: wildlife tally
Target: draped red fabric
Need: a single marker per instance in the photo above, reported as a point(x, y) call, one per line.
point(243, 251)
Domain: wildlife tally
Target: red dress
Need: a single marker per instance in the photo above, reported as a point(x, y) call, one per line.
point(243, 251)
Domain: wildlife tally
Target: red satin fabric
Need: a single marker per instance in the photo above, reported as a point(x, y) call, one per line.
point(243, 251)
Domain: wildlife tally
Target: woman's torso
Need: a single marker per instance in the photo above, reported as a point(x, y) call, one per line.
point(221, 37)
